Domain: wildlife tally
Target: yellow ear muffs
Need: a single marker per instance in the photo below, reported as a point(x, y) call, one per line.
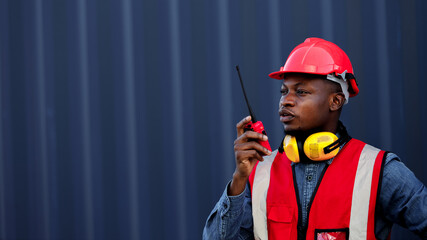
point(315, 144)
point(290, 147)
point(313, 147)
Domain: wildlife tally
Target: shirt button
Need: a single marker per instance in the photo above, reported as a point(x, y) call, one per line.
point(309, 177)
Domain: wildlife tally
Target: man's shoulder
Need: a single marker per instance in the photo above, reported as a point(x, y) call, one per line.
point(388, 156)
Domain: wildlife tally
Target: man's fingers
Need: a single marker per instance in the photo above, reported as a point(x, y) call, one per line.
point(251, 146)
point(240, 126)
point(250, 155)
point(250, 135)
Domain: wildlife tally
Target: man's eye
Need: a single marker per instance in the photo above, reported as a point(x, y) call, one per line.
point(301, 91)
point(283, 91)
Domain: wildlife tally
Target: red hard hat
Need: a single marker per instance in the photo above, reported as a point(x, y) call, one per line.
point(318, 56)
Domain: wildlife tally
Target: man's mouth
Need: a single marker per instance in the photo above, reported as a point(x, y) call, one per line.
point(286, 115)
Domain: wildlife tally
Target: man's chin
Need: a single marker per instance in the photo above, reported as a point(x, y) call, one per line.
point(299, 131)
point(291, 130)
point(296, 130)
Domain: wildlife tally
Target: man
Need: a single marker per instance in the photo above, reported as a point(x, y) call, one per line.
point(344, 189)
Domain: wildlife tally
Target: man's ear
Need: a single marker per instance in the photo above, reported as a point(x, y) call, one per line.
point(336, 101)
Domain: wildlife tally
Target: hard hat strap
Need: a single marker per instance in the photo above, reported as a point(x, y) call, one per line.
point(342, 82)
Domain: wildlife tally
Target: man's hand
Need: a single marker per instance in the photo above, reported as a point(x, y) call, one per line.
point(247, 152)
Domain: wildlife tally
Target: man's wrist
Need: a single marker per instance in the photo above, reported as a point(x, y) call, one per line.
point(237, 185)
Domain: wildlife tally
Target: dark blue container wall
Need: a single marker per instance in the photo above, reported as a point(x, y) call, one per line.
point(118, 117)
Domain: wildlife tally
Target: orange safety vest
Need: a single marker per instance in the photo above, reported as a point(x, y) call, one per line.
point(342, 206)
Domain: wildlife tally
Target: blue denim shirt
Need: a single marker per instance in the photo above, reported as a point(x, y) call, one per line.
point(402, 200)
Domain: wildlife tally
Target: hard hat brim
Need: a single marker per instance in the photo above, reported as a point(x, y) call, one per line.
point(280, 75)
point(277, 75)
point(353, 88)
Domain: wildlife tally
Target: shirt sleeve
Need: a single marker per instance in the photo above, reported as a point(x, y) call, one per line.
point(231, 218)
point(403, 199)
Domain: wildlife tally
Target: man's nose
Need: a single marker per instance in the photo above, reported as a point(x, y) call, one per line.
point(287, 100)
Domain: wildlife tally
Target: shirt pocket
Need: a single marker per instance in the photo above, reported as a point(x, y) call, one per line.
point(280, 220)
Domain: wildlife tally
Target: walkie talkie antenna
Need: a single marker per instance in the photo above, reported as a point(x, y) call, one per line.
point(246, 98)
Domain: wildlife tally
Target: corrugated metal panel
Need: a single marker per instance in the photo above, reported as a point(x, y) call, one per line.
point(117, 117)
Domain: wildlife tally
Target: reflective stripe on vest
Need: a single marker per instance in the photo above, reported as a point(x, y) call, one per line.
point(261, 181)
point(356, 214)
point(361, 193)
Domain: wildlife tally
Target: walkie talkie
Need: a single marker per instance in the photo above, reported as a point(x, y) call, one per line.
point(254, 125)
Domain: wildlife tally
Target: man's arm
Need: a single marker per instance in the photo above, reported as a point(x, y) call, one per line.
point(231, 217)
point(403, 198)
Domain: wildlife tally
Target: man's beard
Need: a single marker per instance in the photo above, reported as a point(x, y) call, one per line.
point(302, 134)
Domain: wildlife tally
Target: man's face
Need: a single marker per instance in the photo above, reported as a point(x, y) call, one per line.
point(304, 105)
